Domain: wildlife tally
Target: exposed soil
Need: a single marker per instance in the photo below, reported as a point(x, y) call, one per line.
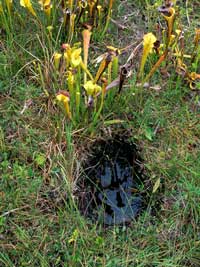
point(112, 189)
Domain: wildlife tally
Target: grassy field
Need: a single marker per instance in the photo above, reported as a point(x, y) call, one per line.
point(41, 154)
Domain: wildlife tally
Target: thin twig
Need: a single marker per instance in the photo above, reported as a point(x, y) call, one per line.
point(13, 210)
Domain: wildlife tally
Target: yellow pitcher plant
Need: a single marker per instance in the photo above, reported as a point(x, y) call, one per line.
point(169, 16)
point(27, 4)
point(91, 88)
point(76, 57)
point(57, 57)
point(63, 97)
point(72, 56)
point(192, 77)
point(148, 44)
point(46, 6)
point(9, 5)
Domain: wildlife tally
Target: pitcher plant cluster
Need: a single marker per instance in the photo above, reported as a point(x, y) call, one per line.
point(170, 48)
point(65, 69)
point(69, 13)
point(83, 89)
point(69, 74)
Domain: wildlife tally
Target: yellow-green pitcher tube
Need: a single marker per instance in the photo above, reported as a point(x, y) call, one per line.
point(115, 68)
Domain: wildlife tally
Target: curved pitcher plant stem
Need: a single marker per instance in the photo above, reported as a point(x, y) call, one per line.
point(108, 18)
point(155, 67)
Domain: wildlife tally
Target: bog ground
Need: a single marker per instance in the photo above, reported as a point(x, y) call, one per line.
point(47, 135)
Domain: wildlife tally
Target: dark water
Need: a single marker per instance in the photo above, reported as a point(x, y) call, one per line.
point(115, 181)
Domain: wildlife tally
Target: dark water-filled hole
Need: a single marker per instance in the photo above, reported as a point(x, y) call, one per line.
point(113, 187)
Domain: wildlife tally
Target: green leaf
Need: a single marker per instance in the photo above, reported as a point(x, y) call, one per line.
point(156, 185)
point(99, 241)
point(40, 159)
point(149, 134)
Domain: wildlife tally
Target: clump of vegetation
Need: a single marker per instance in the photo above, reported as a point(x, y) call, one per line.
point(65, 71)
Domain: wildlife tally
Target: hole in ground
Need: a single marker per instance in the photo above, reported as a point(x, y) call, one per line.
point(113, 188)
